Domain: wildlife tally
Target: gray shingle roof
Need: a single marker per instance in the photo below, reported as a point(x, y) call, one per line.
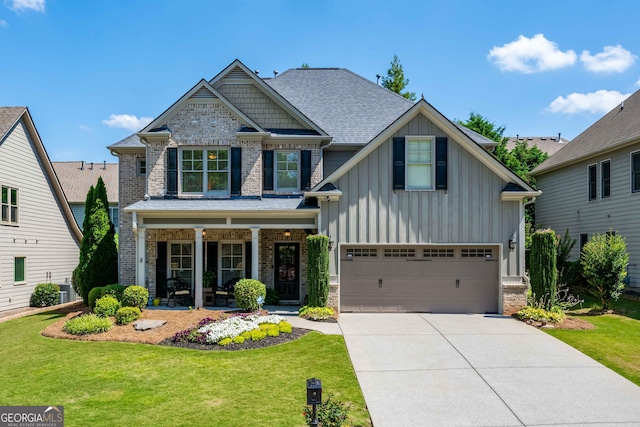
point(8, 117)
point(475, 136)
point(219, 205)
point(77, 177)
point(350, 108)
point(618, 126)
point(132, 141)
point(548, 144)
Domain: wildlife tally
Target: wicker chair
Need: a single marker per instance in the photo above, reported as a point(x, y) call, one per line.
point(226, 291)
point(179, 292)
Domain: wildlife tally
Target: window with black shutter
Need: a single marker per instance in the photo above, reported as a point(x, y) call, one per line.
point(236, 170)
point(441, 163)
point(592, 182)
point(267, 170)
point(398, 163)
point(172, 171)
point(305, 170)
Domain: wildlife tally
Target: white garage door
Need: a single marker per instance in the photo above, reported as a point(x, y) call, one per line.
point(419, 279)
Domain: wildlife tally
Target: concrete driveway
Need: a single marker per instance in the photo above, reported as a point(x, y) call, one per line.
point(475, 370)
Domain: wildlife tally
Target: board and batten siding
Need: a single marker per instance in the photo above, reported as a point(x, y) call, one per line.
point(470, 211)
point(40, 217)
point(564, 204)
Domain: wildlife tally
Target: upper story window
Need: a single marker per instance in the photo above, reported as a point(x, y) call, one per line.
point(9, 205)
point(605, 179)
point(287, 170)
point(592, 182)
point(635, 172)
point(420, 170)
point(205, 171)
point(142, 167)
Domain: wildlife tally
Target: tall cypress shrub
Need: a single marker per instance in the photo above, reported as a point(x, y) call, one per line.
point(78, 276)
point(543, 270)
point(318, 270)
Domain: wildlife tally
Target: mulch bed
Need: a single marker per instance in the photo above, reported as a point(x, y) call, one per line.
point(573, 323)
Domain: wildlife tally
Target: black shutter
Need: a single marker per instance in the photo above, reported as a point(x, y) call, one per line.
point(236, 170)
point(172, 171)
point(161, 270)
point(441, 163)
point(247, 258)
point(305, 170)
point(398, 164)
point(212, 257)
point(267, 170)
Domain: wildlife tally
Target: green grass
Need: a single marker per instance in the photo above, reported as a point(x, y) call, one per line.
point(615, 341)
point(113, 384)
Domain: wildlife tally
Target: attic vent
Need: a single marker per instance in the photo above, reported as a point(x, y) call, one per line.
point(543, 138)
point(203, 93)
point(529, 139)
point(236, 73)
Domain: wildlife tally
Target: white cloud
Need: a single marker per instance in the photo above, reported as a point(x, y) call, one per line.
point(601, 101)
point(3, 23)
point(22, 5)
point(127, 121)
point(613, 59)
point(531, 55)
point(85, 128)
point(638, 83)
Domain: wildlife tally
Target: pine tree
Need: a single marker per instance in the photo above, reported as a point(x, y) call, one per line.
point(395, 80)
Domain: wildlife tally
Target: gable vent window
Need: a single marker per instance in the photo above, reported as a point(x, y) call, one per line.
point(400, 253)
point(437, 253)
point(592, 182)
point(605, 174)
point(9, 205)
point(362, 252)
point(477, 253)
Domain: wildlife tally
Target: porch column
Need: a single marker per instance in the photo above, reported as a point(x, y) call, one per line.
point(197, 268)
point(255, 262)
point(141, 249)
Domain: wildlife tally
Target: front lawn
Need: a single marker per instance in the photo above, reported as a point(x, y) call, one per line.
point(615, 341)
point(112, 384)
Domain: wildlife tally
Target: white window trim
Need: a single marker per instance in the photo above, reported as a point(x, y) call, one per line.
point(275, 171)
point(11, 223)
point(602, 162)
point(589, 199)
point(204, 192)
point(631, 172)
point(433, 162)
point(243, 273)
point(23, 282)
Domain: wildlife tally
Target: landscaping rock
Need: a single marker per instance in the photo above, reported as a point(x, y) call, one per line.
point(143, 325)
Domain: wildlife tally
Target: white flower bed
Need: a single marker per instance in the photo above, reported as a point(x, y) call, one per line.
point(235, 326)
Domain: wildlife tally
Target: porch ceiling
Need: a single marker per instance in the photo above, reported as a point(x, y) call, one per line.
point(224, 207)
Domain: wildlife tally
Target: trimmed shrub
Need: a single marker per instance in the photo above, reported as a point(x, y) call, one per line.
point(238, 340)
point(87, 324)
point(106, 306)
point(127, 315)
point(135, 296)
point(273, 331)
point(94, 295)
point(318, 269)
point(541, 315)
point(604, 263)
point(45, 295)
point(316, 313)
point(543, 272)
point(225, 341)
point(272, 297)
point(247, 292)
point(331, 413)
point(114, 290)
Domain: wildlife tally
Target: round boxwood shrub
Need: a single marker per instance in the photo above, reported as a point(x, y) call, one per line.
point(127, 315)
point(114, 290)
point(246, 293)
point(106, 306)
point(45, 295)
point(135, 296)
point(94, 295)
point(87, 324)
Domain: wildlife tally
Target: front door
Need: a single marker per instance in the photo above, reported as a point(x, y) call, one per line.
point(287, 271)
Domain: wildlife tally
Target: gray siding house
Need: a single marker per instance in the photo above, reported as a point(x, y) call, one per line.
point(592, 185)
point(39, 239)
point(241, 169)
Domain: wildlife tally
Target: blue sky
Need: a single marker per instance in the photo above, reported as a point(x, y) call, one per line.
point(87, 70)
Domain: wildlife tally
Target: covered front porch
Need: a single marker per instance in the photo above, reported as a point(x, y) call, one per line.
point(258, 239)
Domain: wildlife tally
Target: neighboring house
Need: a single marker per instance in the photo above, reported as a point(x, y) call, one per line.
point(547, 144)
point(240, 170)
point(77, 177)
point(39, 239)
point(592, 185)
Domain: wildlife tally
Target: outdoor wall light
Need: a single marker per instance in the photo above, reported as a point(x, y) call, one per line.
point(204, 233)
point(287, 232)
point(331, 243)
point(512, 243)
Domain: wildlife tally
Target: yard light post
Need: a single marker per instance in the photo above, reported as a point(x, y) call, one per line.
point(314, 398)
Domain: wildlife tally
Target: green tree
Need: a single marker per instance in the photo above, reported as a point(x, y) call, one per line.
point(482, 125)
point(604, 261)
point(305, 65)
point(395, 80)
point(543, 269)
